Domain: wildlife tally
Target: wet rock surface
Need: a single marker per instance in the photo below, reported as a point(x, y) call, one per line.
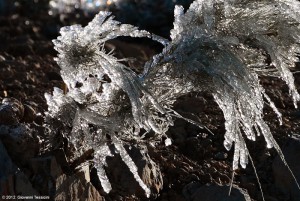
point(179, 172)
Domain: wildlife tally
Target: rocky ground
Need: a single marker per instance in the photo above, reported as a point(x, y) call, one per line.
point(196, 167)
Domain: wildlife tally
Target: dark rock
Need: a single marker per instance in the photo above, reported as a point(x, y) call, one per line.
point(21, 142)
point(178, 134)
point(61, 160)
point(45, 171)
point(296, 114)
point(7, 185)
point(23, 186)
point(8, 115)
point(12, 180)
point(75, 188)
point(283, 178)
point(16, 105)
point(53, 76)
point(18, 184)
point(192, 148)
point(218, 193)
point(7, 169)
point(29, 114)
point(49, 179)
point(221, 156)
point(270, 198)
point(172, 195)
point(250, 187)
point(121, 177)
point(190, 189)
point(13, 111)
point(84, 172)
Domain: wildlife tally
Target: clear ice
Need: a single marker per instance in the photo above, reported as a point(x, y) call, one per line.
point(219, 46)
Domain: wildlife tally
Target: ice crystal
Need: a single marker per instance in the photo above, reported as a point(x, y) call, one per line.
point(100, 162)
point(104, 98)
point(130, 164)
point(219, 46)
point(222, 46)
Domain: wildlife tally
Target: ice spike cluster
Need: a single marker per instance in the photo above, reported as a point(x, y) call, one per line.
point(219, 46)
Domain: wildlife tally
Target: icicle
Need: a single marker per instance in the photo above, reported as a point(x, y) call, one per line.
point(272, 105)
point(103, 178)
point(100, 162)
point(130, 164)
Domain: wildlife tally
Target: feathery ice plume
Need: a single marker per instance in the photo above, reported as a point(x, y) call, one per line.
point(220, 46)
point(102, 92)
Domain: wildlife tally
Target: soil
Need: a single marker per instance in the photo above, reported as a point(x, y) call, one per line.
point(27, 71)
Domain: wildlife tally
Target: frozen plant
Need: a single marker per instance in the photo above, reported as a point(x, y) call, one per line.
point(106, 101)
point(219, 46)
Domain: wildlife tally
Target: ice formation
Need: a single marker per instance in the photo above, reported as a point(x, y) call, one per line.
point(220, 46)
point(105, 99)
point(233, 39)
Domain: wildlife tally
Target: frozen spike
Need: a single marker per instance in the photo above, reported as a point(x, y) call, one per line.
point(100, 162)
point(178, 12)
point(48, 97)
point(272, 105)
point(243, 152)
point(160, 39)
point(103, 179)
point(130, 164)
point(236, 157)
point(154, 127)
point(168, 142)
point(57, 91)
point(227, 145)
